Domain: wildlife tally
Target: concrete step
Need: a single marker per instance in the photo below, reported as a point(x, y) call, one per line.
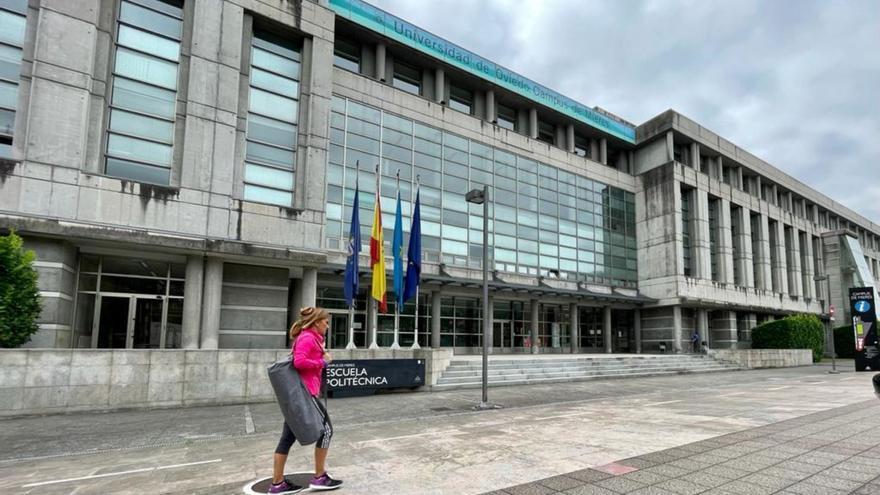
point(544, 374)
point(478, 383)
point(450, 372)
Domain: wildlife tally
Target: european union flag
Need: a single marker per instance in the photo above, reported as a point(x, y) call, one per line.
point(397, 248)
point(354, 249)
point(414, 255)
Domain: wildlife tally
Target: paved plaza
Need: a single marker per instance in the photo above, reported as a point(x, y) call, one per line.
point(798, 431)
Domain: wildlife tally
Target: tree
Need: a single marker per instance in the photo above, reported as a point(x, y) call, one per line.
point(19, 296)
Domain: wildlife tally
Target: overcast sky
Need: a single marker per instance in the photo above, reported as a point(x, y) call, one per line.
point(795, 82)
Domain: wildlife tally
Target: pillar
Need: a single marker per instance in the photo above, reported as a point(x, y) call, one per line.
point(759, 187)
point(723, 330)
point(745, 324)
point(780, 270)
point(763, 279)
point(574, 331)
point(192, 302)
point(700, 239)
point(637, 329)
point(372, 324)
point(670, 146)
point(695, 157)
point(435, 319)
point(807, 271)
point(439, 85)
point(603, 151)
point(490, 106)
point(795, 278)
point(535, 309)
point(725, 243)
point(309, 285)
point(739, 178)
point(774, 197)
point(380, 61)
point(594, 150)
point(744, 257)
point(702, 324)
point(676, 329)
point(211, 303)
point(606, 328)
point(533, 123)
point(569, 138)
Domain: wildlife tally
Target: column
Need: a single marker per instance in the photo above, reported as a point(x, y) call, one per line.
point(807, 268)
point(533, 123)
point(637, 328)
point(439, 86)
point(759, 187)
point(380, 62)
point(700, 238)
point(725, 243)
point(764, 279)
point(606, 328)
point(695, 157)
point(780, 270)
point(594, 150)
point(574, 331)
point(702, 324)
point(490, 106)
point(372, 324)
point(774, 197)
point(676, 329)
point(309, 285)
point(211, 303)
point(795, 278)
point(670, 146)
point(603, 151)
point(435, 319)
point(739, 178)
point(535, 309)
point(723, 330)
point(569, 138)
point(744, 259)
point(192, 302)
point(745, 326)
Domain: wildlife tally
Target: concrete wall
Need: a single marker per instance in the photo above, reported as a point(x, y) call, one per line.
point(764, 358)
point(40, 381)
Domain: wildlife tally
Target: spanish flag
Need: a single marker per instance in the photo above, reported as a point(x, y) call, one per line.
point(377, 258)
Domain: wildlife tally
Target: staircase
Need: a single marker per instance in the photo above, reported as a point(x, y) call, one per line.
point(466, 371)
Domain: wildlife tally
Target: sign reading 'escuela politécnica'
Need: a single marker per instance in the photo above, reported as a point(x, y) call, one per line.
point(395, 28)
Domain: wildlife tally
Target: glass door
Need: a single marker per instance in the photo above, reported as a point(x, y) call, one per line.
point(502, 334)
point(146, 331)
point(115, 317)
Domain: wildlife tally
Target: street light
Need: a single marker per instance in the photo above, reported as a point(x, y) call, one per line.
point(830, 312)
point(477, 197)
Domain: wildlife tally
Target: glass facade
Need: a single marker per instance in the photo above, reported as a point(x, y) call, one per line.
point(140, 137)
point(714, 257)
point(543, 220)
point(13, 18)
point(273, 109)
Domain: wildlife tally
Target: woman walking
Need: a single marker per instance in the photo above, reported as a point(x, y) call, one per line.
point(309, 359)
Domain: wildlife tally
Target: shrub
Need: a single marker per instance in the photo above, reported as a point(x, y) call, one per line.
point(791, 332)
point(844, 342)
point(19, 296)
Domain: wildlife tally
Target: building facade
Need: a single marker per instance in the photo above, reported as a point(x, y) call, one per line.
point(186, 169)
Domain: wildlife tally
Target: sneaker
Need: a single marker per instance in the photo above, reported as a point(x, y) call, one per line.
point(285, 487)
point(324, 482)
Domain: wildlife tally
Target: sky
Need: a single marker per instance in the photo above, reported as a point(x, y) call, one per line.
point(794, 82)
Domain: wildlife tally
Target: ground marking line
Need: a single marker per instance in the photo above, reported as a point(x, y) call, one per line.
point(427, 433)
point(248, 420)
point(564, 416)
point(780, 388)
point(119, 473)
point(733, 394)
point(661, 403)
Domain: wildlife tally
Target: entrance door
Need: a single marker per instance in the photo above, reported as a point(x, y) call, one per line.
point(502, 334)
point(146, 331)
point(114, 322)
point(338, 335)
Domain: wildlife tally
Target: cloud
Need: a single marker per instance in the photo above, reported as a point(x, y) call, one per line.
point(793, 82)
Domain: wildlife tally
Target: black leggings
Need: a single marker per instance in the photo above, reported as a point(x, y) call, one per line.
point(287, 437)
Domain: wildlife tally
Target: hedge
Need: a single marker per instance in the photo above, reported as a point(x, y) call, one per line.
point(791, 332)
point(844, 342)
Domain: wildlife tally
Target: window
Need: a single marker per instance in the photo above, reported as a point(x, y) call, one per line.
point(686, 231)
point(736, 246)
point(506, 117)
point(546, 132)
point(347, 55)
point(407, 78)
point(581, 146)
point(714, 256)
point(12, 27)
point(461, 99)
point(270, 155)
point(140, 136)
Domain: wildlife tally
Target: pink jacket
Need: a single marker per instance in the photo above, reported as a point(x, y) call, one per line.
point(308, 358)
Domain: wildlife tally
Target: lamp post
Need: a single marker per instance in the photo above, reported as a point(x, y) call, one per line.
point(478, 196)
point(830, 311)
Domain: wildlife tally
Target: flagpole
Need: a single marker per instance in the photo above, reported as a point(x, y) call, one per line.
point(374, 318)
point(354, 252)
point(415, 344)
point(397, 298)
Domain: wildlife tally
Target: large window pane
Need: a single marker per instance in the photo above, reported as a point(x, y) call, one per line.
point(139, 125)
point(149, 19)
point(146, 68)
point(8, 95)
point(271, 131)
point(266, 195)
point(272, 105)
point(274, 83)
point(275, 63)
point(12, 28)
point(269, 154)
point(137, 171)
point(150, 43)
point(126, 147)
point(267, 176)
point(143, 98)
point(10, 62)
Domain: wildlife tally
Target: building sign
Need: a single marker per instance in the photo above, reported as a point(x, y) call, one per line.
point(365, 376)
point(378, 20)
point(864, 323)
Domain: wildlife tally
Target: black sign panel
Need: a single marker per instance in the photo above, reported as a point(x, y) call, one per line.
point(864, 323)
point(365, 376)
